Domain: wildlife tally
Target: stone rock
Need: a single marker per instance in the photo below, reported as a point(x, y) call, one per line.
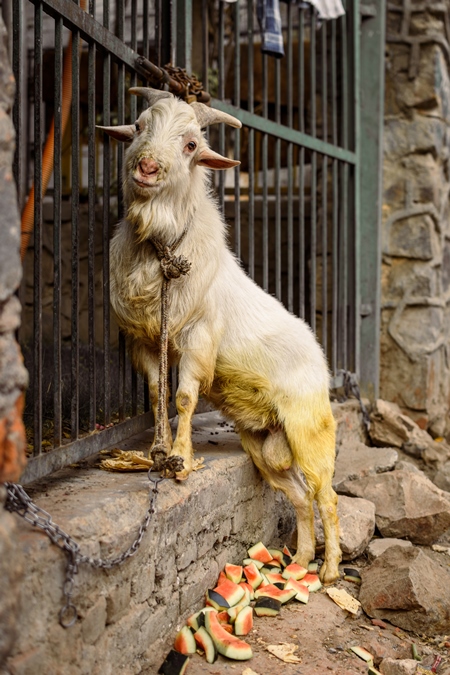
point(357, 525)
point(442, 477)
point(389, 427)
point(378, 546)
point(356, 460)
point(407, 588)
point(399, 666)
point(349, 422)
point(407, 505)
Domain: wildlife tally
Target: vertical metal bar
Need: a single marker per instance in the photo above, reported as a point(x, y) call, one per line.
point(356, 232)
point(57, 409)
point(313, 255)
point(221, 94)
point(205, 45)
point(251, 145)
point(121, 209)
point(277, 183)
point(335, 212)
point(265, 141)
point(91, 234)
point(18, 70)
point(183, 52)
point(37, 291)
point(324, 190)
point(237, 133)
point(290, 210)
point(106, 146)
point(344, 190)
point(133, 78)
point(371, 148)
point(75, 171)
point(301, 172)
point(145, 28)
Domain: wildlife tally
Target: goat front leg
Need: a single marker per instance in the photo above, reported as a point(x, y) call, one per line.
point(196, 370)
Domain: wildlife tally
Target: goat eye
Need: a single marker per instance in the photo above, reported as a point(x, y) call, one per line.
point(191, 145)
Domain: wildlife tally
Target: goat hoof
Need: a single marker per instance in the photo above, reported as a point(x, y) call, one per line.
point(182, 475)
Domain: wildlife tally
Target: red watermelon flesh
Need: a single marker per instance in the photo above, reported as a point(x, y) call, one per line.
point(294, 571)
point(233, 572)
point(184, 641)
point(275, 578)
point(312, 581)
point(226, 644)
point(259, 552)
point(253, 575)
point(244, 621)
point(232, 592)
point(301, 588)
point(271, 591)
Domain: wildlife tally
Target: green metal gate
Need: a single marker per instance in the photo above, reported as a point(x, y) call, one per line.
point(303, 207)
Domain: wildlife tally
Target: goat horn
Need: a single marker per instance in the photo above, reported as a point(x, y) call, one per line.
point(206, 116)
point(151, 95)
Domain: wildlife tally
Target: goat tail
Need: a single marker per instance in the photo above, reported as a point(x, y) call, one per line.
point(310, 429)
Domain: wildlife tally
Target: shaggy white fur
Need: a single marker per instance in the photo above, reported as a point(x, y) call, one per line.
point(237, 345)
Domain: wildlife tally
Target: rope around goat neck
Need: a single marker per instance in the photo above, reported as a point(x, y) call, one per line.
point(172, 267)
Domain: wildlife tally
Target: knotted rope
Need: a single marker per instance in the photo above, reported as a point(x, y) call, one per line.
point(173, 267)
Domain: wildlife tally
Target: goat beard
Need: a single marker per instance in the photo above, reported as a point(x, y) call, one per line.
point(157, 218)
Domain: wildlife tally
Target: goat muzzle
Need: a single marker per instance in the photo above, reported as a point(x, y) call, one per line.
point(148, 167)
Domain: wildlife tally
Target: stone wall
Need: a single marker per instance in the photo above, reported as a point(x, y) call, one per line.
point(415, 340)
point(13, 376)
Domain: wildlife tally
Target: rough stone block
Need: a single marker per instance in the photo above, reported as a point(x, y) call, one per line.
point(357, 460)
point(378, 546)
point(27, 663)
point(117, 602)
point(398, 666)
point(94, 622)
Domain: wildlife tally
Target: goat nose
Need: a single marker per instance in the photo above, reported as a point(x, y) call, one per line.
point(148, 166)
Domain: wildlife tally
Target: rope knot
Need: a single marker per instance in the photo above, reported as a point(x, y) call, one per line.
point(172, 266)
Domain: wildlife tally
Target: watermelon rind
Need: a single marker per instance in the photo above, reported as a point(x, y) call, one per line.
point(244, 621)
point(259, 552)
point(313, 566)
point(205, 642)
point(253, 575)
point(266, 606)
point(226, 644)
point(302, 590)
point(174, 664)
point(184, 641)
point(231, 592)
point(233, 572)
point(294, 571)
point(363, 654)
point(312, 581)
point(216, 600)
point(271, 591)
point(249, 561)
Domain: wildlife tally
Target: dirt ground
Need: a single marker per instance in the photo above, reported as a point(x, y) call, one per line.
point(323, 634)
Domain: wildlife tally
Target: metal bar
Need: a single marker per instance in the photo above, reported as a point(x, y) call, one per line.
point(92, 31)
point(356, 231)
point(121, 205)
point(237, 133)
point(324, 93)
point(145, 29)
point(106, 146)
point(251, 144)
point(57, 179)
point(75, 290)
point(301, 165)
point(371, 146)
point(221, 95)
point(313, 216)
point(277, 183)
point(343, 239)
point(18, 69)
point(205, 44)
point(91, 236)
point(184, 34)
point(84, 447)
point(265, 153)
point(290, 210)
point(335, 221)
point(283, 132)
point(37, 290)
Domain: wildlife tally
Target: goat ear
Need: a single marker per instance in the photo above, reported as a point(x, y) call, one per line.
point(121, 133)
point(213, 160)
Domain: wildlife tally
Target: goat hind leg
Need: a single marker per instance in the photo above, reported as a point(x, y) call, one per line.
point(327, 503)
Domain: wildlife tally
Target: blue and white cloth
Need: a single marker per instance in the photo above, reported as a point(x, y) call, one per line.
point(268, 12)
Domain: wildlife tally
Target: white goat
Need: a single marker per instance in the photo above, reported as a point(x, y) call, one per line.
point(233, 342)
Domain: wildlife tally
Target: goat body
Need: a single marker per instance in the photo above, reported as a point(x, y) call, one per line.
point(233, 342)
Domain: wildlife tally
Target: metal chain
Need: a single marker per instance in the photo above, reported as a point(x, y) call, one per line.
point(351, 387)
point(17, 501)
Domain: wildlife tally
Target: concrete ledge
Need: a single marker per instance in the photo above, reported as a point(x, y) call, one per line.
point(128, 616)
